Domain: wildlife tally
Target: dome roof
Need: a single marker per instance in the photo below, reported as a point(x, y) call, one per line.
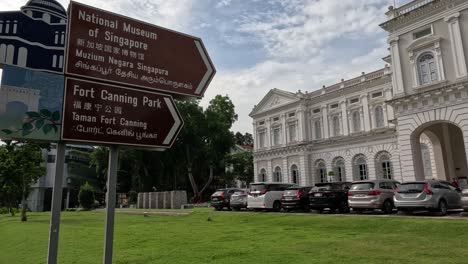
point(51, 6)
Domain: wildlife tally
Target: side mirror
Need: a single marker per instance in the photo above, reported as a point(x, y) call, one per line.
point(458, 189)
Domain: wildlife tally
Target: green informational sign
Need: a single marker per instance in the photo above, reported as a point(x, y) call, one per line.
point(30, 104)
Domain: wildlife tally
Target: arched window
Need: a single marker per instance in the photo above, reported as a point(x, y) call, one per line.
point(384, 165)
point(318, 129)
point(339, 169)
point(427, 69)
point(10, 54)
point(336, 126)
point(46, 17)
point(262, 176)
point(277, 175)
point(379, 116)
point(3, 50)
point(321, 171)
point(360, 167)
point(22, 57)
point(356, 121)
point(294, 174)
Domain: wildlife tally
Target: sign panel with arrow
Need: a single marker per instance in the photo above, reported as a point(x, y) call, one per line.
point(109, 114)
point(109, 47)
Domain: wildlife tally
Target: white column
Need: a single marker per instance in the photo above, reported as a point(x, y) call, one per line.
point(325, 126)
point(384, 109)
point(304, 170)
point(269, 168)
point(256, 172)
point(457, 45)
point(448, 150)
point(366, 116)
point(344, 119)
point(255, 136)
point(301, 125)
point(390, 112)
point(397, 76)
point(268, 142)
point(285, 171)
point(285, 129)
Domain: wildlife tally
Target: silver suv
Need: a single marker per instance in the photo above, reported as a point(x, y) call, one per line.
point(432, 195)
point(372, 194)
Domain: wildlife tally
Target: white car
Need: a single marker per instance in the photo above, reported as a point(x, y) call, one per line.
point(264, 195)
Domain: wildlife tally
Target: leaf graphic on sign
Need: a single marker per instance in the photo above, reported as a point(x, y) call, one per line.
point(46, 113)
point(7, 131)
point(33, 114)
point(40, 123)
point(56, 116)
point(47, 128)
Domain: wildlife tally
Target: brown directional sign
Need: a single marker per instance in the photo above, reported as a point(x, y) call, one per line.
point(109, 47)
point(109, 114)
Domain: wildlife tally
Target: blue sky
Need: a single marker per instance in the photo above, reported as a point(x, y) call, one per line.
point(258, 45)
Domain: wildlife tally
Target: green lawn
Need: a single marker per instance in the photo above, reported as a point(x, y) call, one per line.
point(238, 238)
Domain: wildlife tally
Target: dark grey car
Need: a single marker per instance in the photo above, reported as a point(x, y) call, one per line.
point(432, 195)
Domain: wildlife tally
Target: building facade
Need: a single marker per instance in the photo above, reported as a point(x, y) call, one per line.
point(407, 121)
point(34, 37)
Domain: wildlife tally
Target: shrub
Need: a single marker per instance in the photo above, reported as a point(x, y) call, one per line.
point(132, 197)
point(86, 196)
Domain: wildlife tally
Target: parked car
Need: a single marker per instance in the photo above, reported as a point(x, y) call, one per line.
point(464, 199)
point(221, 198)
point(266, 195)
point(296, 198)
point(333, 195)
point(239, 200)
point(432, 195)
point(372, 194)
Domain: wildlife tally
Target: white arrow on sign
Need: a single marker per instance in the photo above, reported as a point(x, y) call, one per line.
point(209, 68)
point(177, 121)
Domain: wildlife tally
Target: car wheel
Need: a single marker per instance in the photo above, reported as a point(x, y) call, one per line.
point(443, 207)
point(306, 208)
point(343, 207)
point(235, 208)
point(387, 207)
point(320, 211)
point(277, 206)
point(357, 211)
point(217, 208)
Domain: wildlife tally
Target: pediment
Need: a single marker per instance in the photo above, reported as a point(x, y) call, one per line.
point(274, 99)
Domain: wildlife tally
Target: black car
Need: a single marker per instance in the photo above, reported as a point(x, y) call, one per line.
point(221, 198)
point(332, 195)
point(296, 198)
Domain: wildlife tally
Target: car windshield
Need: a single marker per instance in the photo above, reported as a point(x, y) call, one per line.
point(239, 193)
point(257, 187)
point(362, 186)
point(218, 193)
point(324, 187)
point(415, 187)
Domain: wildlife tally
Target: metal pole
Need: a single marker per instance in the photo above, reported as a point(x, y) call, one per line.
point(110, 204)
point(56, 205)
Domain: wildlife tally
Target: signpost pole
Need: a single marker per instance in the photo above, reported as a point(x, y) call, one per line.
point(56, 205)
point(110, 204)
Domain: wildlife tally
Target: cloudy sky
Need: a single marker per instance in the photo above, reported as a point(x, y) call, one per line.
point(257, 45)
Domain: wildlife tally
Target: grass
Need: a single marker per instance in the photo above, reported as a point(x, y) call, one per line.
point(238, 238)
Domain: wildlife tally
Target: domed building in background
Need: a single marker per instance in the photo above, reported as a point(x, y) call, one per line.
point(34, 37)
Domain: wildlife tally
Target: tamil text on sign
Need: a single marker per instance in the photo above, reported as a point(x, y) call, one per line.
point(108, 47)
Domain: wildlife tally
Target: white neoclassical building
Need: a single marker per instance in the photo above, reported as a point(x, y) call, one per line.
point(407, 121)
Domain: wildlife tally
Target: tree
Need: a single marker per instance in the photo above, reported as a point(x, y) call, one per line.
point(243, 140)
point(86, 196)
point(241, 166)
point(20, 167)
